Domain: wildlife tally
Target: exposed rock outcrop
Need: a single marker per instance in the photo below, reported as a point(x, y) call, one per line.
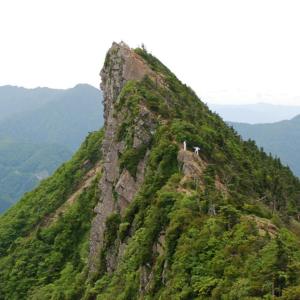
point(192, 165)
point(127, 186)
point(264, 226)
point(121, 65)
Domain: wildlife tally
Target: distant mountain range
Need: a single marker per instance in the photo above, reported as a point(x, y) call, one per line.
point(14, 100)
point(255, 113)
point(39, 130)
point(282, 139)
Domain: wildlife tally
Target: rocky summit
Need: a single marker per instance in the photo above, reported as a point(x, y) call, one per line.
point(165, 202)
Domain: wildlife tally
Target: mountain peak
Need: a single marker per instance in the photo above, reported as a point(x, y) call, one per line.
point(121, 65)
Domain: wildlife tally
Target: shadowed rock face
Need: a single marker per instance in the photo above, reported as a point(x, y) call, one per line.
point(121, 65)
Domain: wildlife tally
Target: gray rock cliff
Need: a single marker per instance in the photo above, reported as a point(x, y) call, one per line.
point(121, 65)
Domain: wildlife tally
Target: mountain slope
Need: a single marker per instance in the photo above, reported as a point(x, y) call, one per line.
point(282, 139)
point(50, 235)
point(158, 221)
point(39, 130)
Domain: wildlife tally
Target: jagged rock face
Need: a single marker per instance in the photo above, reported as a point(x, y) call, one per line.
point(122, 64)
point(127, 186)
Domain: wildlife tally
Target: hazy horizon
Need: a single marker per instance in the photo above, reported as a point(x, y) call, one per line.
point(215, 47)
point(211, 102)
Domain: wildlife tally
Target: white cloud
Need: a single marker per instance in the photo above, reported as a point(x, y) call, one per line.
point(243, 47)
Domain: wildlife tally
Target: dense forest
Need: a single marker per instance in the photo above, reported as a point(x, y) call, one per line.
point(219, 225)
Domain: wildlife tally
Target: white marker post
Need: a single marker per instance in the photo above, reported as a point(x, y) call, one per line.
point(184, 145)
point(197, 149)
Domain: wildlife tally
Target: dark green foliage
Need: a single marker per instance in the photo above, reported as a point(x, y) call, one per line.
point(123, 230)
point(230, 214)
point(110, 235)
point(42, 261)
point(111, 229)
point(131, 157)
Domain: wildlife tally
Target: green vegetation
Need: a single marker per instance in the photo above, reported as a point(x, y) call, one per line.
point(26, 214)
point(131, 158)
point(221, 255)
point(229, 233)
point(38, 255)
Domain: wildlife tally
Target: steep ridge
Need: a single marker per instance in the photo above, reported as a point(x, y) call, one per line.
point(121, 66)
point(158, 221)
